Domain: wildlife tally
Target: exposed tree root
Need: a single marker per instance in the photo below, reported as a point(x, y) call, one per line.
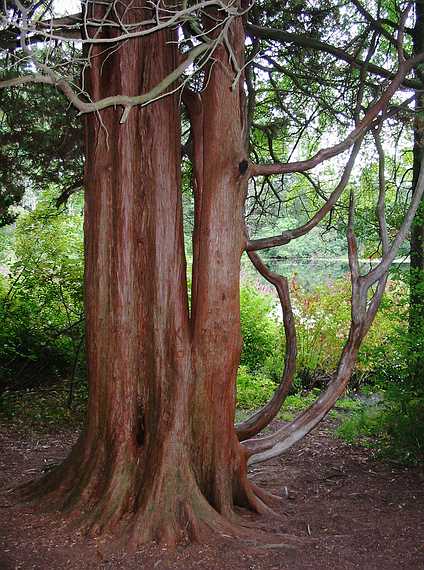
point(170, 509)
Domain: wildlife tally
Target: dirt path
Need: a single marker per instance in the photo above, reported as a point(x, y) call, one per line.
point(341, 510)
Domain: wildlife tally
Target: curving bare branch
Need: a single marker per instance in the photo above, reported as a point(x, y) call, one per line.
point(362, 315)
point(359, 131)
point(379, 270)
point(288, 235)
point(259, 420)
point(127, 102)
point(68, 28)
point(192, 61)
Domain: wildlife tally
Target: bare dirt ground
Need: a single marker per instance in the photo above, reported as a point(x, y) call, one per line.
point(340, 508)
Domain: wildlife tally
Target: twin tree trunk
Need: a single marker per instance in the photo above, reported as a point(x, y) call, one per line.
point(159, 451)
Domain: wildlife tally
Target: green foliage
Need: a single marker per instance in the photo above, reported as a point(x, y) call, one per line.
point(253, 390)
point(395, 427)
point(261, 333)
point(323, 319)
point(40, 144)
point(41, 300)
point(6, 247)
point(362, 427)
point(322, 323)
point(261, 357)
point(404, 424)
point(296, 403)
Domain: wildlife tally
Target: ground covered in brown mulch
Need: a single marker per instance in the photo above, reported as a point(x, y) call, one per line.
point(340, 508)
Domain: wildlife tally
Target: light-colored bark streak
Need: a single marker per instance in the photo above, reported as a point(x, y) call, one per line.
point(381, 206)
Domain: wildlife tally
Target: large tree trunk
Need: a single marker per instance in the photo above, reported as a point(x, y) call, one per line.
point(160, 451)
point(217, 118)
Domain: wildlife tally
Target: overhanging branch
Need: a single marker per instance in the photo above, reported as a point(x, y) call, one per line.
point(358, 132)
point(288, 235)
point(309, 42)
point(122, 100)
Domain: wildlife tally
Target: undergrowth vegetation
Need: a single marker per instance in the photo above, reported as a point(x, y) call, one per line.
point(322, 324)
point(41, 302)
point(384, 407)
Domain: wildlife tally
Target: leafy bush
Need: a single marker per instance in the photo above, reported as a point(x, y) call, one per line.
point(395, 427)
point(322, 318)
point(403, 425)
point(253, 390)
point(261, 333)
point(41, 299)
point(322, 322)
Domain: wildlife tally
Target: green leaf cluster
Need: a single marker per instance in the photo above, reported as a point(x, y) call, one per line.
point(41, 307)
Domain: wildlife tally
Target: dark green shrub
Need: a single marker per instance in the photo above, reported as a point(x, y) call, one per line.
point(41, 308)
point(261, 333)
point(253, 390)
point(394, 427)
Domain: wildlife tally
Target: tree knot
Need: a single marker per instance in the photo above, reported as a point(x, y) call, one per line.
point(243, 166)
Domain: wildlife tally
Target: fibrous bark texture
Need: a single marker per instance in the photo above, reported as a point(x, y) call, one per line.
point(159, 452)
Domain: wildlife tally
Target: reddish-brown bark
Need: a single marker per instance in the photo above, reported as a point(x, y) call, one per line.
point(160, 452)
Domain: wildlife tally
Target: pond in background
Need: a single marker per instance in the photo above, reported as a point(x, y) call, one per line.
point(311, 273)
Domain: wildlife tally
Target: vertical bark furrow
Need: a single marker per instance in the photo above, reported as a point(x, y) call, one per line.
point(218, 243)
point(160, 450)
